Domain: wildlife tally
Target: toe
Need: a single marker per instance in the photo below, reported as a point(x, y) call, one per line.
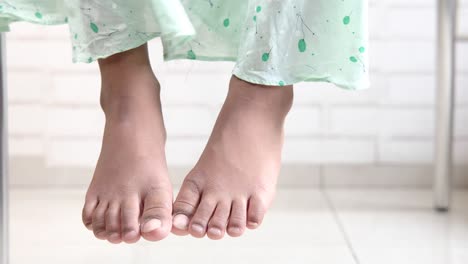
point(129, 214)
point(156, 221)
point(113, 223)
point(185, 206)
point(87, 213)
point(219, 220)
point(201, 217)
point(256, 211)
point(99, 220)
point(237, 219)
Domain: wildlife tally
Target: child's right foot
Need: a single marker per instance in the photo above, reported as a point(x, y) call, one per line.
point(130, 194)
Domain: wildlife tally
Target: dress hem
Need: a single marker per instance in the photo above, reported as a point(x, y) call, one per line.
point(89, 58)
point(242, 76)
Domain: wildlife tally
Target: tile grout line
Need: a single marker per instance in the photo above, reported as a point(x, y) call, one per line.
point(338, 221)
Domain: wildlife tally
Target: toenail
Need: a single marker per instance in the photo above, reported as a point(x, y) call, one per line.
point(215, 231)
point(181, 222)
point(101, 235)
point(235, 230)
point(197, 228)
point(253, 224)
point(130, 235)
point(151, 225)
point(114, 236)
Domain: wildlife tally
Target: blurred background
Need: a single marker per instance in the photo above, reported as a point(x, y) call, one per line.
point(355, 185)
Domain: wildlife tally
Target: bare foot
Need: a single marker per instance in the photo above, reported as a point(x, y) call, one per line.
point(234, 181)
point(130, 194)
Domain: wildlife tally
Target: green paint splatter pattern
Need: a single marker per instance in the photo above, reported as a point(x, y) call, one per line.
point(302, 45)
point(226, 22)
point(191, 55)
point(276, 42)
point(346, 20)
point(94, 27)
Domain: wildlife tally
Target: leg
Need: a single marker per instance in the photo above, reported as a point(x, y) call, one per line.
point(3, 158)
point(234, 181)
point(130, 193)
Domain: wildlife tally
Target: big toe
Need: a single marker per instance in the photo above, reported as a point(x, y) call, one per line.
point(87, 213)
point(185, 207)
point(156, 220)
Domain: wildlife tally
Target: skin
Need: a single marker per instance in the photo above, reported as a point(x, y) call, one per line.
point(130, 185)
point(234, 181)
point(228, 190)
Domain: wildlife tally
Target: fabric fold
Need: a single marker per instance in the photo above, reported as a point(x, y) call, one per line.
point(272, 42)
point(172, 18)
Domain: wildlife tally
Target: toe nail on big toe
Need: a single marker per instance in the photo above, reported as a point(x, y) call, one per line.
point(151, 225)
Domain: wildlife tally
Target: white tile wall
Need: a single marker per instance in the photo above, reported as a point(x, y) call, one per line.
point(55, 114)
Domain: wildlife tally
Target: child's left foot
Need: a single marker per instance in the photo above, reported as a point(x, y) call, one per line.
point(234, 182)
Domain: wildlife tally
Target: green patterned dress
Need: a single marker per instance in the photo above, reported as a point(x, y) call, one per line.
point(272, 42)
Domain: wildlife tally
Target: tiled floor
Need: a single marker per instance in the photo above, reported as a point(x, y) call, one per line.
point(304, 226)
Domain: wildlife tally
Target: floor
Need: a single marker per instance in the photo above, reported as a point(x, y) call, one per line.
point(304, 226)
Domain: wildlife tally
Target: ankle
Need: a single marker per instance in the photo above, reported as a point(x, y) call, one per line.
point(120, 71)
point(134, 106)
point(273, 99)
point(125, 64)
point(128, 82)
point(142, 87)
